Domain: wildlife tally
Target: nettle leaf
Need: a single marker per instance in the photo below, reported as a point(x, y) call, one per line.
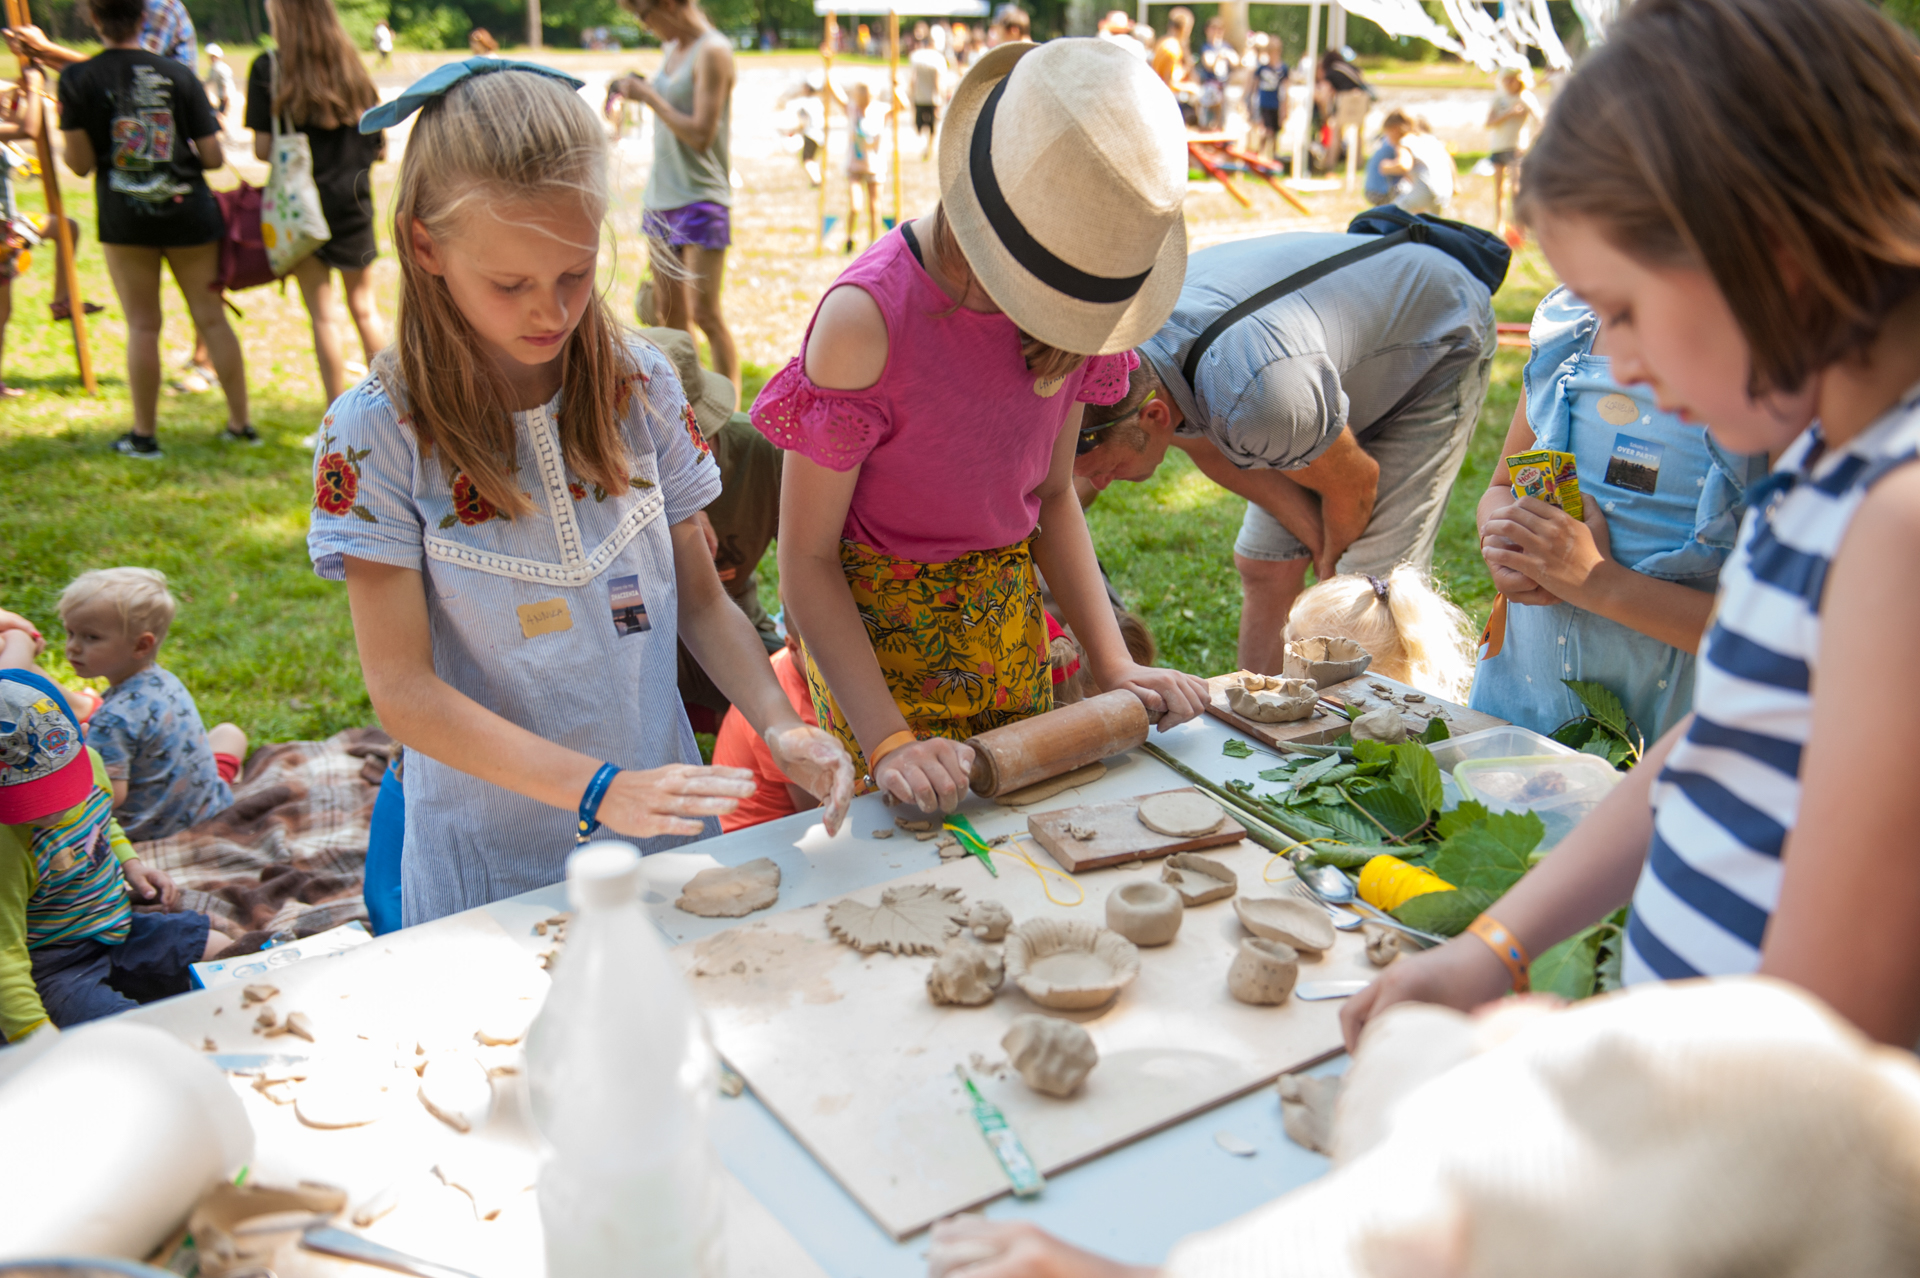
point(1237, 749)
point(1365, 751)
point(1445, 913)
point(1282, 773)
point(1416, 770)
point(1319, 770)
point(1568, 969)
point(1471, 812)
point(1393, 807)
point(1491, 853)
point(1342, 820)
point(1603, 705)
point(1576, 733)
point(1437, 730)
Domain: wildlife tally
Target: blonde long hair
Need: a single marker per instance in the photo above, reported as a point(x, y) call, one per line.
point(503, 138)
point(323, 83)
point(1413, 634)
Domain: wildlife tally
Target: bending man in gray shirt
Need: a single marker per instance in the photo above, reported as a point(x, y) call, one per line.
point(1340, 411)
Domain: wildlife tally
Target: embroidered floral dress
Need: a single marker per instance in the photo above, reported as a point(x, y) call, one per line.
point(562, 620)
point(953, 443)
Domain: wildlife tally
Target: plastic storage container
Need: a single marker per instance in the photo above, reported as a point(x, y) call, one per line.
point(1508, 741)
point(1559, 788)
point(622, 1076)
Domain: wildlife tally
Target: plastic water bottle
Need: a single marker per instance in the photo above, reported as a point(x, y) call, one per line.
point(622, 1075)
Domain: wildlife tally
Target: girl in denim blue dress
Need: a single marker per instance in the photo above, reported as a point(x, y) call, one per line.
point(510, 500)
point(1623, 599)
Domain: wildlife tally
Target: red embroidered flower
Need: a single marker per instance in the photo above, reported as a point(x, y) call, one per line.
point(469, 507)
point(578, 489)
point(693, 433)
point(336, 484)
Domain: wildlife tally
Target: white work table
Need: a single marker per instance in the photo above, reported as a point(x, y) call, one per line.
point(1131, 1203)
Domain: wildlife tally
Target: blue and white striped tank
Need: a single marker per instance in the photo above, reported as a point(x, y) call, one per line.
point(1730, 790)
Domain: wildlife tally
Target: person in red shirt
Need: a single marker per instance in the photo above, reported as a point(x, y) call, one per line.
point(738, 746)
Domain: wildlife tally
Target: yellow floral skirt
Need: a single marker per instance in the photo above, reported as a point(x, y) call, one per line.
point(963, 644)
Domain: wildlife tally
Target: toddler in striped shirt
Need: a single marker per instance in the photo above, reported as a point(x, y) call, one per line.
point(71, 947)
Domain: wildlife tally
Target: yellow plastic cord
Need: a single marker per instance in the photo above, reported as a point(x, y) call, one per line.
point(1043, 871)
point(1387, 882)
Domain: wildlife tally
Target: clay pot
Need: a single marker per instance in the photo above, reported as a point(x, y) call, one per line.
point(1053, 1056)
point(1263, 972)
point(1069, 965)
point(1267, 699)
point(1198, 879)
point(966, 973)
point(1324, 661)
point(1146, 913)
point(1292, 922)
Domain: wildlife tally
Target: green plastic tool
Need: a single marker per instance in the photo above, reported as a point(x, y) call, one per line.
point(962, 829)
point(1014, 1159)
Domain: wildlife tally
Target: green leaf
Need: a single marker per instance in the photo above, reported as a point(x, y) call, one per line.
point(1445, 913)
point(1568, 968)
point(1576, 732)
point(1349, 857)
point(1436, 731)
point(1401, 812)
point(1343, 821)
point(1282, 773)
point(1318, 771)
point(1325, 794)
point(1470, 813)
point(1601, 703)
point(1491, 853)
point(1365, 751)
point(1237, 749)
point(1416, 771)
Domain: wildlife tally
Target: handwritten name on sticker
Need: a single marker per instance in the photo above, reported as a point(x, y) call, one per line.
point(549, 616)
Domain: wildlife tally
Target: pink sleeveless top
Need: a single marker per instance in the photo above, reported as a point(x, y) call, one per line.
point(956, 435)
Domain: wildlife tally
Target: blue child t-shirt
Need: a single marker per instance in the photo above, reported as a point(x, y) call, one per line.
point(1268, 80)
point(149, 734)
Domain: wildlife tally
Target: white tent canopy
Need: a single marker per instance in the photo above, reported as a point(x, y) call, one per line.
point(907, 8)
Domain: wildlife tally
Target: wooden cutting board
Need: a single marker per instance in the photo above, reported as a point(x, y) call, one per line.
point(1118, 836)
point(1322, 727)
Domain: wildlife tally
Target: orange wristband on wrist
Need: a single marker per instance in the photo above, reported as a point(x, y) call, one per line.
point(1506, 947)
point(904, 737)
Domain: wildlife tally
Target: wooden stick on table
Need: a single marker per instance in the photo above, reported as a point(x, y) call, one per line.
point(18, 15)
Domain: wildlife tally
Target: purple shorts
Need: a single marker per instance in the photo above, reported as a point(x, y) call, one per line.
point(706, 225)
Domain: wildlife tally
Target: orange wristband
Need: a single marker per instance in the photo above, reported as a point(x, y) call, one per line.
point(904, 737)
point(1506, 947)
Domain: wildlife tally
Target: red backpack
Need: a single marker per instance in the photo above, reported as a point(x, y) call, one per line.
point(243, 253)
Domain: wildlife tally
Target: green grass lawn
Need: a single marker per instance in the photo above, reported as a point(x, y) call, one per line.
point(264, 643)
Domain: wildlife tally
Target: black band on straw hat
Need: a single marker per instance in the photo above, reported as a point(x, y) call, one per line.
point(1062, 277)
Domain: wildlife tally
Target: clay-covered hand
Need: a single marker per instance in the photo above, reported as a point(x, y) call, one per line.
point(933, 775)
point(671, 800)
point(1558, 553)
point(1171, 696)
point(14, 621)
point(816, 762)
point(151, 886)
point(1462, 974)
point(974, 1247)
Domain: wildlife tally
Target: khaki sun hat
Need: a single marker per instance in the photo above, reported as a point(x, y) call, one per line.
point(712, 396)
point(1063, 171)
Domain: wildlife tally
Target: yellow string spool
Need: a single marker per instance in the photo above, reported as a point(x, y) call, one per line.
point(1387, 882)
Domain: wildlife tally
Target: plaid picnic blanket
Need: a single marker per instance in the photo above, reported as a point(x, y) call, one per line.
point(289, 854)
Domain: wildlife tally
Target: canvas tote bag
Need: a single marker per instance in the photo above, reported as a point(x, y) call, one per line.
point(292, 224)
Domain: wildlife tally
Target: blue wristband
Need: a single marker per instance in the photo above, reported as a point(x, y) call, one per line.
point(590, 801)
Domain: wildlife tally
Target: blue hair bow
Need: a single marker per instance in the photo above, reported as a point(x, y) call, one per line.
point(436, 83)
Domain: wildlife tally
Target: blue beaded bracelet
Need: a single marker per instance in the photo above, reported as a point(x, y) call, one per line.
point(590, 801)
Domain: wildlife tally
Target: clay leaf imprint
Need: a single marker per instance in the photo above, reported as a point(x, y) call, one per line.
point(915, 919)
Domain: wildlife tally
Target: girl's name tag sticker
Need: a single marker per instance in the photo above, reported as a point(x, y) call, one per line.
point(1618, 410)
point(544, 618)
point(629, 609)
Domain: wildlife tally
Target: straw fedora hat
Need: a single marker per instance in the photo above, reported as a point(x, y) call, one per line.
point(1063, 171)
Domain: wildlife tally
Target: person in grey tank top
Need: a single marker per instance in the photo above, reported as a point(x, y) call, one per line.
point(689, 190)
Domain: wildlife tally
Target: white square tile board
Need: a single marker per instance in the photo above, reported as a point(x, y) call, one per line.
point(847, 1050)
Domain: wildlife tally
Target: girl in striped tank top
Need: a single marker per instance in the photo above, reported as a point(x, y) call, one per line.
point(1751, 238)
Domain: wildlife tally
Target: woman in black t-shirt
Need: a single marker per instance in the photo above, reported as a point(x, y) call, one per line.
point(142, 125)
point(323, 91)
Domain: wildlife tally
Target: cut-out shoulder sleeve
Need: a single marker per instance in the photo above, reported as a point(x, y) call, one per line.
point(835, 428)
point(1106, 378)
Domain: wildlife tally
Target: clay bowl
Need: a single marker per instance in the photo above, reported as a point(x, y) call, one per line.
point(1263, 972)
point(1146, 913)
point(1198, 879)
point(1071, 966)
point(1291, 922)
point(1265, 699)
point(1325, 661)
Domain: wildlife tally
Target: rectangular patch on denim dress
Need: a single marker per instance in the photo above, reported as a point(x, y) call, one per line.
point(1635, 464)
point(629, 608)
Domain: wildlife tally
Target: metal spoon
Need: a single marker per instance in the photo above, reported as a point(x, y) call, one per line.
point(1344, 920)
point(1334, 888)
point(338, 1242)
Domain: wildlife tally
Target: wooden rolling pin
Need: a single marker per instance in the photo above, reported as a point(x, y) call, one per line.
point(1038, 749)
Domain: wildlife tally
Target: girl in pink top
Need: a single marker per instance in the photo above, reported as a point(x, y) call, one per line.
point(932, 416)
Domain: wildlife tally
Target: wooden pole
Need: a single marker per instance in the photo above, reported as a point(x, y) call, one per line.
point(1312, 78)
point(826, 129)
point(18, 15)
point(1218, 174)
point(893, 101)
point(533, 24)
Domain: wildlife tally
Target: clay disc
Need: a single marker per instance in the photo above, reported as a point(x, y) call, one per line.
point(1181, 814)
